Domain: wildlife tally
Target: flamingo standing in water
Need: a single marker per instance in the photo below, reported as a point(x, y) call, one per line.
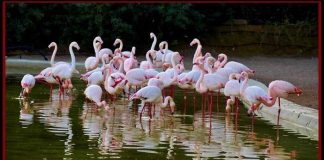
point(27, 83)
point(92, 62)
point(94, 93)
point(63, 72)
point(153, 94)
point(232, 89)
point(131, 62)
point(254, 95)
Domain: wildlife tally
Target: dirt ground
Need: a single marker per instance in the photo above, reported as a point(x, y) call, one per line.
point(302, 72)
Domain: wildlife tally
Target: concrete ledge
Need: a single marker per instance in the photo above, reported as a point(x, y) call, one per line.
point(295, 117)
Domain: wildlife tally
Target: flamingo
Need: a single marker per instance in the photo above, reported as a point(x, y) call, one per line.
point(115, 81)
point(106, 51)
point(279, 89)
point(131, 62)
point(92, 62)
point(63, 72)
point(153, 94)
point(96, 76)
point(156, 82)
point(157, 61)
point(124, 54)
point(198, 52)
point(167, 56)
point(209, 82)
point(148, 64)
point(94, 93)
point(254, 95)
point(232, 89)
point(137, 77)
point(236, 66)
point(27, 83)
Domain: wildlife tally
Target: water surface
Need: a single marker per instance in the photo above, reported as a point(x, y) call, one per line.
point(44, 128)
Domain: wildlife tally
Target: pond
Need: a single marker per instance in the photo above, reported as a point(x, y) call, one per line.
point(41, 127)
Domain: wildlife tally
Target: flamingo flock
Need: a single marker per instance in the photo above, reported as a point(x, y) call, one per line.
point(121, 74)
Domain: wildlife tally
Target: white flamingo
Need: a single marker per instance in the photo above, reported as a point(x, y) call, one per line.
point(148, 64)
point(232, 89)
point(153, 94)
point(92, 62)
point(94, 93)
point(27, 83)
point(131, 62)
point(63, 72)
point(124, 54)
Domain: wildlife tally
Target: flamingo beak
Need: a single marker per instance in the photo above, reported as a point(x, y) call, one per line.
point(298, 91)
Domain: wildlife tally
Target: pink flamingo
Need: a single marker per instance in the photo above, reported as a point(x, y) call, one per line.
point(210, 82)
point(153, 94)
point(236, 66)
point(198, 52)
point(279, 89)
point(106, 51)
point(45, 76)
point(148, 64)
point(96, 76)
point(115, 81)
point(131, 62)
point(27, 83)
point(156, 82)
point(167, 56)
point(124, 54)
point(92, 62)
point(254, 95)
point(157, 60)
point(63, 72)
point(137, 77)
point(94, 93)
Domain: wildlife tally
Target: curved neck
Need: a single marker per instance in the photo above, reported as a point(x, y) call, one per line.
point(223, 62)
point(120, 44)
point(274, 96)
point(166, 101)
point(154, 42)
point(199, 85)
point(165, 47)
point(53, 54)
point(197, 53)
point(148, 58)
point(173, 59)
point(72, 57)
point(121, 64)
point(243, 85)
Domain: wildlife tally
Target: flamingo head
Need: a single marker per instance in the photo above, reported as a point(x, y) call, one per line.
point(75, 44)
point(135, 96)
point(194, 41)
point(152, 35)
point(98, 38)
point(298, 91)
point(52, 44)
point(221, 57)
point(117, 41)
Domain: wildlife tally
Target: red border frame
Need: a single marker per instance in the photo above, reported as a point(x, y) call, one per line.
point(319, 3)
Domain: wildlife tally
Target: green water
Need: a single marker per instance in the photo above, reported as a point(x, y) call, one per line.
point(43, 128)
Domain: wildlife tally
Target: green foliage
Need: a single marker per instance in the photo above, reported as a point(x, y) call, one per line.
point(40, 24)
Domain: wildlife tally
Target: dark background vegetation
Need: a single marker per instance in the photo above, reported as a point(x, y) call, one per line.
point(281, 25)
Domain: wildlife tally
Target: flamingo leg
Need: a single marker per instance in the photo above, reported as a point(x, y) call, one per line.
point(185, 101)
point(217, 99)
point(237, 107)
